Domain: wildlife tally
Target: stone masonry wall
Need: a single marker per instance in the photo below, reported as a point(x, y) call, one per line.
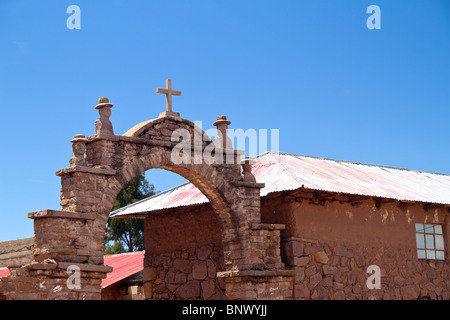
point(330, 240)
point(338, 271)
point(185, 274)
point(16, 252)
point(183, 255)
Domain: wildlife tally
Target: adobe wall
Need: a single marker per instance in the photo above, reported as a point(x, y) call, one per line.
point(183, 255)
point(331, 242)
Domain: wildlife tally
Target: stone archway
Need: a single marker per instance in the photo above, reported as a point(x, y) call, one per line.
point(72, 238)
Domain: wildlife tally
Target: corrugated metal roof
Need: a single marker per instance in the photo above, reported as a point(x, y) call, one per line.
point(183, 195)
point(4, 272)
point(124, 265)
point(284, 171)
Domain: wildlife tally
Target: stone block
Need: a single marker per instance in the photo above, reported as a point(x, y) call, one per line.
point(309, 250)
point(299, 274)
point(208, 288)
point(292, 248)
point(327, 281)
point(189, 290)
point(182, 265)
point(341, 250)
point(203, 252)
point(180, 277)
point(410, 292)
point(301, 291)
point(314, 280)
point(310, 271)
point(160, 288)
point(329, 269)
point(339, 295)
point(199, 270)
point(321, 257)
point(298, 262)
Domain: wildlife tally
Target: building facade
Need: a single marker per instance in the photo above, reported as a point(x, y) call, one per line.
point(332, 241)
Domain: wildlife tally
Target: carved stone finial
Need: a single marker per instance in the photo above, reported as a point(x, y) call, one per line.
point(247, 170)
point(222, 141)
point(104, 125)
point(79, 148)
point(222, 120)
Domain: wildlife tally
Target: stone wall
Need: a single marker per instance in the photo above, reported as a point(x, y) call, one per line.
point(339, 271)
point(130, 288)
point(16, 253)
point(183, 255)
point(330, 240)
point(185, 274)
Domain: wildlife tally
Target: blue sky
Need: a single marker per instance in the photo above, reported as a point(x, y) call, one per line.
point(311, 69)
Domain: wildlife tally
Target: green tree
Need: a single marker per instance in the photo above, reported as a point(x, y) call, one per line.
point(127, 234)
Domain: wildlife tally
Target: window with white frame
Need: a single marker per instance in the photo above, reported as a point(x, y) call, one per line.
point(430, 241)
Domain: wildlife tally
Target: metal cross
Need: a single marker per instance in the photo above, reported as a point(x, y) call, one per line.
point(169, 93)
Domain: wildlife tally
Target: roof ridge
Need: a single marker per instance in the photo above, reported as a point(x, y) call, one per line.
point(285, 169)
point(125, 253)
point(362, 163)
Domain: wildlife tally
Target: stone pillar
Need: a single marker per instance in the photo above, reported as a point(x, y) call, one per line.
point(256, 270)
point(66, 263)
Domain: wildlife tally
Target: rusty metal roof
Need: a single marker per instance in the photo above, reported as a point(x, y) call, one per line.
point(284, 171)
point(124, 265)
point(4, 272)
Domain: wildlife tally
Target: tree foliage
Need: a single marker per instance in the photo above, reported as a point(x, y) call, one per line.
point(128, 234)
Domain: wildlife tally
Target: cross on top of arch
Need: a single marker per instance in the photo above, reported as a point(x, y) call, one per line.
point(169, 93)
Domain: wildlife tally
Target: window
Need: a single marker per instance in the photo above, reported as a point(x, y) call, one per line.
point(430, 241)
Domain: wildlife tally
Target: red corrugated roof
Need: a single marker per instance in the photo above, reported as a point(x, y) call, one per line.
point(283, 171)
point(124, 265)
point(4, 272)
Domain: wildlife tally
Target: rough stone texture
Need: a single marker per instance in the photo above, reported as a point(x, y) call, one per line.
point(259, 284)
point(330, 244)
point(342, 278)
point(181, 274)
point(16, 253)
point(130, 288)
point(75, 235)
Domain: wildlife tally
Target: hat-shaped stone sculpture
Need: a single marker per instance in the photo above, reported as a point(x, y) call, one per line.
point(104, 125)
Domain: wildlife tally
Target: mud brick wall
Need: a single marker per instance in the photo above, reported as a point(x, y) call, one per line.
point(183, 255)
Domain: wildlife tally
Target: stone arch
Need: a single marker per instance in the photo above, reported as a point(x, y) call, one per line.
point(147, 146)
point(73, 236)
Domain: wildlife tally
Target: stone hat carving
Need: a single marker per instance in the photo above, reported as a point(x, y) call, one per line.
point(248, 161)
point(221, 119)
point(103, 103)
point(79, 138)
